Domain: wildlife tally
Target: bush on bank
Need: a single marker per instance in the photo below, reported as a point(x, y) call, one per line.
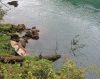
point(34, 68)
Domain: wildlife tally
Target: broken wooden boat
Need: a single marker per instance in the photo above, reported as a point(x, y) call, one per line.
point(19, 49)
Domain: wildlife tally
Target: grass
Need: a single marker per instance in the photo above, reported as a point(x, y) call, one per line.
point(31, 69)
point(5, 47)
point(5, 27)
point(34, 68)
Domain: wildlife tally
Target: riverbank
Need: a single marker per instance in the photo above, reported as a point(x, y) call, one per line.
point(32, 67)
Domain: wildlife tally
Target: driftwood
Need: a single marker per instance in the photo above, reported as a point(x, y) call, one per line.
point(50, 57)
point(11, 59)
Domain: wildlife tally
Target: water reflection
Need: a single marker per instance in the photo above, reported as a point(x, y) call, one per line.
point(75, 45)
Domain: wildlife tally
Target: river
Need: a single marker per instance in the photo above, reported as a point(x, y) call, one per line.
point(59, 22)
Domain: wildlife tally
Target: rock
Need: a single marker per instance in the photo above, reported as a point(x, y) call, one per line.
point(33, 33)
point(50, 57)
point(14, 3)
point(15, 37)
point(30, 33)
point(34, 27)
point(23, 41)
point(18, 28)
point(21, 27)
point(20, 34)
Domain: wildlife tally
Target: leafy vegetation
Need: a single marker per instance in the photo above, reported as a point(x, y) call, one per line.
point(5, 47)
point(34, 68)
point(5, 28)
point(71, 71)
point(31, 69)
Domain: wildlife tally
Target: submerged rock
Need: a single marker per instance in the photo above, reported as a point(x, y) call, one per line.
point(14, 3)
point(50, 57)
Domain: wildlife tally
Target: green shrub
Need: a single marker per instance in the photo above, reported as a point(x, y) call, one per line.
point(40, 69)
point(5, 28)
point(71, 71)
point(31, 69)
point(5, 46)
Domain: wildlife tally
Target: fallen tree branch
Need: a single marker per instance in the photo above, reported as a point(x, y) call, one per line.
point(11, 59)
